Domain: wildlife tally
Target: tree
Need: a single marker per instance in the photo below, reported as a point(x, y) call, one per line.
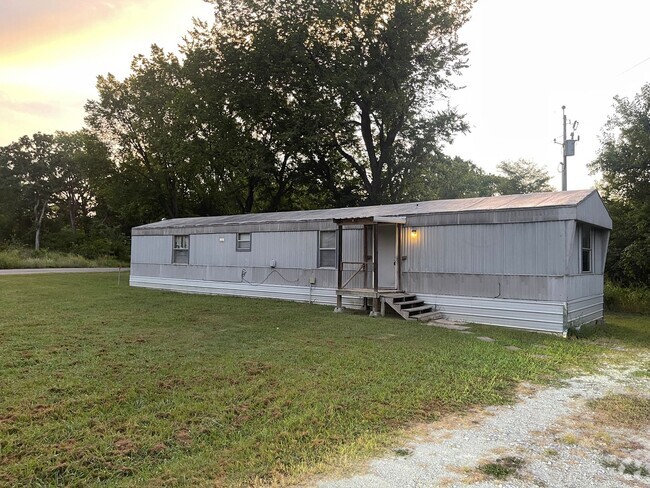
point(522, 176)
point(143, 121)
point(362, 76)
point(35, 162)
point(48, 181)
point(624, 161)
point(82, 163)
point(12, 213)
point(458, 178)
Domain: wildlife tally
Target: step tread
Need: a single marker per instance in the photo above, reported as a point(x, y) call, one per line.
point(410, 302)
point(402, 298)
point(418, 309)
point(429, 316)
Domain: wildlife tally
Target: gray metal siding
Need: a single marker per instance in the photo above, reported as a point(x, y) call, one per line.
point(317, 295)
point(585, 310)
point(488, 286)
point(535, 249)
point(593, 211)
point(289, 249)
point(151, 250)
point(547, 316)
point(584, 285)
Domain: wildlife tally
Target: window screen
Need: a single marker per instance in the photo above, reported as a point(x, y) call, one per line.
point(586, 248)
point(327, 249)
point(181, 253)
point(244, 241)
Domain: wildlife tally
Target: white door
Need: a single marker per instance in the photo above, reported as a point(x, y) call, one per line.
point(386, 246)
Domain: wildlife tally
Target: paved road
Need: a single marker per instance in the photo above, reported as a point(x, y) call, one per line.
point(58, 270)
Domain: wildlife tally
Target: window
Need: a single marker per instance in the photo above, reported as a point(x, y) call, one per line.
point(181, 250)
point(586, 249)
point(327, 249)
point(244, 241)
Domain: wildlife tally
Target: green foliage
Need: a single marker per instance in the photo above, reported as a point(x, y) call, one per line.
point(22, 258)
point(125, 386)
point(52, 193)
point(522, 176)
point(502, 468)
point(456, 178)
point(627, 298)
point(624, 161)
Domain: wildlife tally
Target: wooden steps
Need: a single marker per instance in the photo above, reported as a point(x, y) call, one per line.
point(410, 306)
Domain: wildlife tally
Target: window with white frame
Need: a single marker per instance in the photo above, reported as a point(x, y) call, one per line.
point(181, 254)
point(244, 241)
point(586, 248)
point(327, 249)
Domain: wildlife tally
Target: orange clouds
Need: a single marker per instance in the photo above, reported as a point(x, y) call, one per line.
point(51, 52)
point(30, 27)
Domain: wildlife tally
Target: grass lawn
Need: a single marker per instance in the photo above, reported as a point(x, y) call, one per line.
point(121, 386)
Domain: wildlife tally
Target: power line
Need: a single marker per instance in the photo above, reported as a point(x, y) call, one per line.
point(637, 64)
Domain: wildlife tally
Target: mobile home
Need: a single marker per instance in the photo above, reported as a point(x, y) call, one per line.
point(532, 261)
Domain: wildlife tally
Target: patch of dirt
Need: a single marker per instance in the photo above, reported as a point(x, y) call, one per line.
point(184, 438)
point(124, 446)
point(171, 383)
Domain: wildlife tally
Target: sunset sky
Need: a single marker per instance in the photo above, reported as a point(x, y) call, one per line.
point(527, 60)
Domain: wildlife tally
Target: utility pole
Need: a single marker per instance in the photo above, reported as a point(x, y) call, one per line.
point(568, 146)
point(564, 185)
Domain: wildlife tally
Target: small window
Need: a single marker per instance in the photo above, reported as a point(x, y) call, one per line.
point(181, 250)
point(586, 249)
point(327, 249)
point(244, 241)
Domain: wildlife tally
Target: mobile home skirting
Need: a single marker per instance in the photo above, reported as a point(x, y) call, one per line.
point(543, 316)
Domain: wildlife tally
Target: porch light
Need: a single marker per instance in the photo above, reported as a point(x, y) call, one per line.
point(414, 232)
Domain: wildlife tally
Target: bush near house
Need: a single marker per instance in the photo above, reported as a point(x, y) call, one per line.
point(106, 384)
point(629, 299)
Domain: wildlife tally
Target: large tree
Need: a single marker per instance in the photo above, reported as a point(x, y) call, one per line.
point(624, 161)
point(50, 179)
point(361, 77)
point(35, 163)
point(522, 176)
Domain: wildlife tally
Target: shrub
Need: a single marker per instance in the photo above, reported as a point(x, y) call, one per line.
point(627, 299)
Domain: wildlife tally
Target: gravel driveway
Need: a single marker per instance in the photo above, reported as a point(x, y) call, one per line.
point(550, 434)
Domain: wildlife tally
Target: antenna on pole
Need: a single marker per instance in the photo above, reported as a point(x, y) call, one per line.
point(568, 145)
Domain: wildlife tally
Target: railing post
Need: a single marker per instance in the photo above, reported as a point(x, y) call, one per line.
point(339, 269)
point(375, 256)
point(365, 256)
point(339, 257)
point(399, 257)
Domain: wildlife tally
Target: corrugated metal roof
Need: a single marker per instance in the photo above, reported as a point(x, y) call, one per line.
point(506, 202)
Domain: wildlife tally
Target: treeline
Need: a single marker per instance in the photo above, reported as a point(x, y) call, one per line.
point(320, 106)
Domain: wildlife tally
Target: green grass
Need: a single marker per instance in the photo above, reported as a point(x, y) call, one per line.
point(621, 410)
point(20, 258)
point(128, 387)
point(627, 299)
point(502, 468)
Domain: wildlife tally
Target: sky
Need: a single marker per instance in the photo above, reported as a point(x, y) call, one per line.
point(527, 59)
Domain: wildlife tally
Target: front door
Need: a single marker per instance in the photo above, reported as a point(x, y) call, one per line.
point(387, 250)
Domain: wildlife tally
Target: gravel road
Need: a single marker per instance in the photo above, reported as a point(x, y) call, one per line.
point(552, 432)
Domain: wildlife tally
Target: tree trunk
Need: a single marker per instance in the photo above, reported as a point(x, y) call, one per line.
point(39, 223)
point(72, 210)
